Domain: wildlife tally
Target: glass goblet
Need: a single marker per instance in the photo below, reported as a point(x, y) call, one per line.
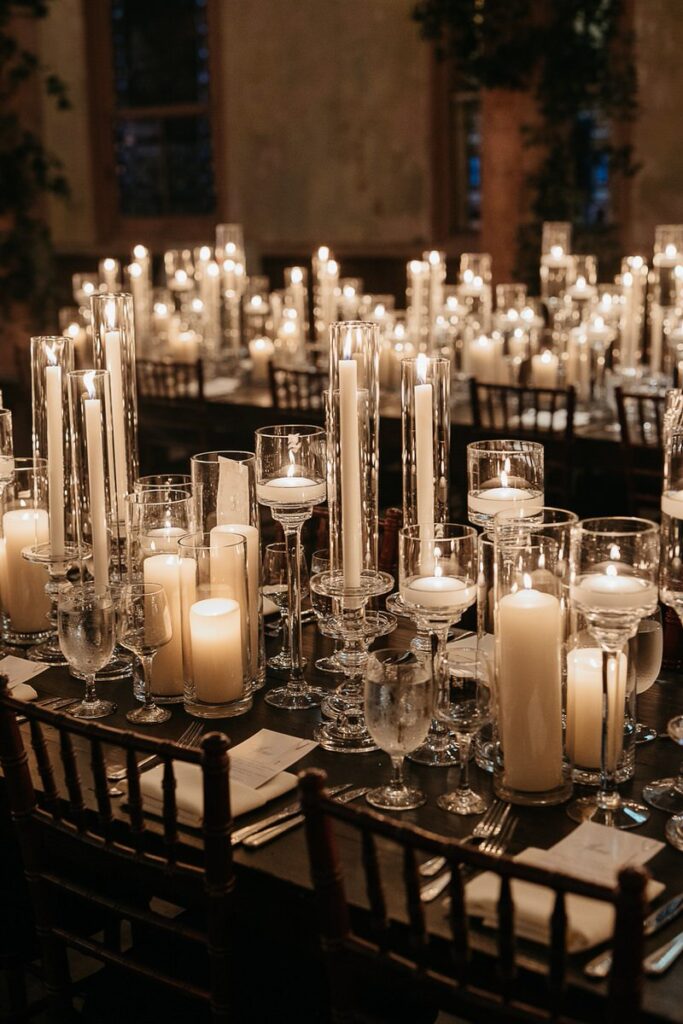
point(398, 709)
point(324, 609)
point(86, 624)
point(614, 562)
point(145, 627)
point(647, 649)
point(463, 703)
point(275, 587)
point(674, 826)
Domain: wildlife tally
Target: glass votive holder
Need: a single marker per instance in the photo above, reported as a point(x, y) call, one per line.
point(530, 767)
point(25, 524)
point(214, 609)
point(502, 475)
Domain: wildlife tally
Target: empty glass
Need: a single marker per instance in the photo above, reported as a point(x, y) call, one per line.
point(276, 588)
point(145, 627)
point(398, 710)
point(463, 702)
point(86, 622)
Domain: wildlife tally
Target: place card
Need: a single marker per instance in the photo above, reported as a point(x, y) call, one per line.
point(20, 670)
point(596, 853)
point(266, 754)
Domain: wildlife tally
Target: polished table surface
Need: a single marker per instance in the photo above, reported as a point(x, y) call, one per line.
point(284, 861)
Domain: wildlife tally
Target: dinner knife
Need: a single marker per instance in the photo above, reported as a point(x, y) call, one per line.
point(599, 966)
point(287, 812)
point(662, 958)
point(267, 834)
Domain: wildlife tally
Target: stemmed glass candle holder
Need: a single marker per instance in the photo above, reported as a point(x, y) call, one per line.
point(474, 290)
point(146, 628)
point(25, 524)
point(613, 585)
point(276, 589)
point(214, 606)
point(290, 480)
point(156, 519)
point(556, 261)
point(224, 487)
point(86, 617)
point(437, 582)
point(502, 475)
point(464, 703)
point(399, 700)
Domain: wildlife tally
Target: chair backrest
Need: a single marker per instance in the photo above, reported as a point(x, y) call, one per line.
point(297, 388)
point(641, 424)
point(533, 413)
point(389, 525)
point(75, 847)
point(446, 977)
point(164, 379)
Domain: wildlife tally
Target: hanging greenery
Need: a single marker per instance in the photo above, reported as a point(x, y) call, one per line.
point(575, 57)
point(27, 171)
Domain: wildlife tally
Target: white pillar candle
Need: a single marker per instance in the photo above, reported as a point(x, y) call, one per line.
point(672, 504)
point(500, 499)
point(251, 534)
point(485, 359)
point(26, 602)
point(418, 272)
point(610, 591)
point(530, 689)
point(656, 333)
point(163, 540)
point(55, 457)
point(352, 545)
point(3, 576)
point(112, 357)
point(424, 447)
point(96, 489)
point(216, 645)
point(167, 666)
point(439, 592)
point(261, 352)
point(184, 346)
point(544, 370)
point(585, 704)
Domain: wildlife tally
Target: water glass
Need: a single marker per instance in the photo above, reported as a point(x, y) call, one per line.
point(145, 627)
point(86, 622)
point(275, 588)
point(464, 703)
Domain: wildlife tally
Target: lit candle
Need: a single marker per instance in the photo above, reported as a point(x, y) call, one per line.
point(544, 370)
point(447, 593)
point(672, 504)
point(163, 540)
point(298, 293)
point(485, 358)
point(585, 707)
point(251, 535)
point(424, 446)
point(167, 666)
point(184, 346)
point(609, 590)
point(96, 490)
point(109, 272)
point(26, 602)
point(656, 336)
point(417, 271)
point(55, 457)
point(352, 547)
point(530, 689)
point(498, 498)
point(216, 650)
point(290, 490)
point(261, 351)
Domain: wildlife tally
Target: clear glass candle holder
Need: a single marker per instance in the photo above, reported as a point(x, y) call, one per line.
point(291, 467)
point(426, 426)
point(214, 609)
point(25, 524)
point(170, 481)
point(58, 567)
point(502, 475)
point(530, 767)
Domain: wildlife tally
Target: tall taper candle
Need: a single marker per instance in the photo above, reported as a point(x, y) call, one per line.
point(352, 551)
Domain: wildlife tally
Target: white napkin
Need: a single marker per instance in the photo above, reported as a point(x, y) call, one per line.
point(22, 691)
point(190, 797)
point(589, 922)
point(18, 672)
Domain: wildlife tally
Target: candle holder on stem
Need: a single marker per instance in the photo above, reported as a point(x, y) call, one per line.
point(614, 565)
point(58, 568)
point(437, 582)
point(290, 480)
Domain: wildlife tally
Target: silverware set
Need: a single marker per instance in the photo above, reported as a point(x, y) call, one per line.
point(52, 703)
point(662, 958)
point(290, 817)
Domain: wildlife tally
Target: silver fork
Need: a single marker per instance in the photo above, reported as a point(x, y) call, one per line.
point(495, 846)
point(272, 819)
point(186, 739)
point(490, 825)
point(266, 835)
point(52, 703)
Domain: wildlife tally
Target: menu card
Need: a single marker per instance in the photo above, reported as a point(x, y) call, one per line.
point(266, 754)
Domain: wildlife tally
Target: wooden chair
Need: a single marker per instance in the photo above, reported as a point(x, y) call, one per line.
point(297, 388)
point(173, 421)
point(395, 947)
point(75, 853)
point(389, 524)
point(641, 423)
point(545, 415)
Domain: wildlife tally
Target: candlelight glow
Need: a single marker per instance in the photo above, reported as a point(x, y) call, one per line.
point(421, 367)
point(89, 382)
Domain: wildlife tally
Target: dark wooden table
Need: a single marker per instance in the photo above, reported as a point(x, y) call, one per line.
point(281, 868)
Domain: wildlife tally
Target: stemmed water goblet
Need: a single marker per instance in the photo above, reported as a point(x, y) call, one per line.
point(86, 623)
point(437, 582)
point(463, 702)
point(399, 702)
point(275, 588)
point(145, 624)
point(613, 586)
point(290, 479)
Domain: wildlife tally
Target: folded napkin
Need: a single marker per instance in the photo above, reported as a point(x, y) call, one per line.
point(190, 796)
point(22, 691)
point(589, 922)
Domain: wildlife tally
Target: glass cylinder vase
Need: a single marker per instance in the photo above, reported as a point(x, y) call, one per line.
point(501, 475)
point(426, 429)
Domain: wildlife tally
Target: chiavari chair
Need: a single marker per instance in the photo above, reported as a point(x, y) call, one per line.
point(173, 423)
point(297, 388)
point(641, 420)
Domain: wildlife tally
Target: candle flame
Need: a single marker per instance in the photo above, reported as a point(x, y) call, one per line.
point(181, 276)
point(323, 253)
point(611, 570)
point(421, 367)
point(636, 261)
point(416, 266)
point(477, 281)
point(380, 309)
point(434, 257)
point(51, 355)
point(627, 279)
point(348, 291)
point(140, 252)
point(296, 275)
point(205, 253)
point(229, 266)
point(580, 281)
point(88, 288)
point(110, 313)
point(109, 264)
point(503, 478)
point(213, 270)
point(671, 250)
point(598, 323)
point(89, 382)
point(400, 331)
point(332, 268)
point(556, 251)
point(526, 579)
point(615, 552)
point(135, 270)
point(546, 356)
point(468, 276)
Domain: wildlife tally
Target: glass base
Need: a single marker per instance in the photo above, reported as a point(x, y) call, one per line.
point(645, 733)
point(282, 662)
point(93, 709)
point(340, 736)
point(232, 709)
point(464, 801)
point(674, 831)
point(389, 798)
point(152, 715)
point(299, 698)
point(436, 756)
point(665, 795)
point(624, 814)
point(328, 664)
point(484, 753)
point(16, 639)
point(49, 652)
point(531, 798)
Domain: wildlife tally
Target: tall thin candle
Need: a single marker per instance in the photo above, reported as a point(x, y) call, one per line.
point(352, 551)
point(98, 514)
point(55, 457)
point(424, 446)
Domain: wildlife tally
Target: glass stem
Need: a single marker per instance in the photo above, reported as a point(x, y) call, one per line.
point(146, 662)
point(397, 780)
point(607, 796)
point(90, 695)
point(293, 548)
point(464, 744)
point(678, 785)
point(439, 734)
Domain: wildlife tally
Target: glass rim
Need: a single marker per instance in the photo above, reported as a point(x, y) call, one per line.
point(509, 516)
point(338, 325)
point(285, 429)
point(36, 461)
point(203, 457)
point(515, 445)
point(190, 540)
point(642, 526)
point(143, 589)
point(412, 360)
point(77, 374)
point(51, 337)
point(412, 532)
point(141, 497)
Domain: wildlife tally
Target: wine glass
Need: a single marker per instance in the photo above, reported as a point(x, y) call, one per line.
point(463, 702)
point(614, 563)
point(647, 648)
point(398, 709)
point(276, 588)
point(323, 607)
point(145, 627)
point(86, 624)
